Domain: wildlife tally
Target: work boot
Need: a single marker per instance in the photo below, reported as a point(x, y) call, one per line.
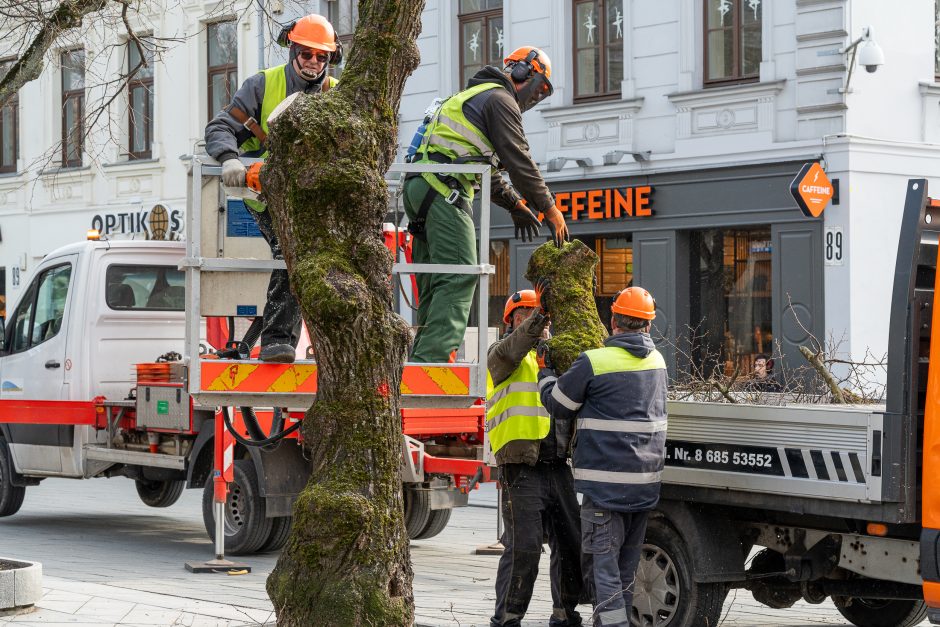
point(278, 353)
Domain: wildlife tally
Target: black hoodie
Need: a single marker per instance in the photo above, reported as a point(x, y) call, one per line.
point(496, 114)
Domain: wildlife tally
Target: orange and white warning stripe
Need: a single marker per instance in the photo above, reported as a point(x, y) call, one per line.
point(301, 378)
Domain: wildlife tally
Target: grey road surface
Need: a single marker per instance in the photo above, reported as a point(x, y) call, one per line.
point(110, 560)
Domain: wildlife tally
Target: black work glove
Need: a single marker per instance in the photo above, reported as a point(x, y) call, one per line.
point(527, 223)
point(543, 292)
point(543, 355)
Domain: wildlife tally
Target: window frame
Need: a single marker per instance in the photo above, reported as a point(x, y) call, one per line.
point(345, 39)
point(222, 69)
point(70, 95)
point(118, 267)
point(135, 82)
point(737, 31)
point(14, 106)
point(32, 291)
point(601, 46)
point(484, 16)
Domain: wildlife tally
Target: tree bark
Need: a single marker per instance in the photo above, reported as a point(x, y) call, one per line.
point(575, 322)
point(347, 561)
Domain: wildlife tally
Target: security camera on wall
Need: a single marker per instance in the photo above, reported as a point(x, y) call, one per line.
point(871, 54)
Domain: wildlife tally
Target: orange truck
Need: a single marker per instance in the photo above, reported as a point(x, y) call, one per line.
point(83, 393)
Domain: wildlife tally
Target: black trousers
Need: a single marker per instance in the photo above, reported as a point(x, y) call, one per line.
point(281, 318)
point(537, 501)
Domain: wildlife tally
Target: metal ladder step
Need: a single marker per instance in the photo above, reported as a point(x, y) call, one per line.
point(134, 458)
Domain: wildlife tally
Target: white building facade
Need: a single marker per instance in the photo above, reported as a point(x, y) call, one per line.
point(670, 142)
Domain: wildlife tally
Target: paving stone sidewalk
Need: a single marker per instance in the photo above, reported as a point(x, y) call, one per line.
point(110, 560)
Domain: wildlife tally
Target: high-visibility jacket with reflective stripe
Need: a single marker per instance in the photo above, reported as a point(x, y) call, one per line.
point(275, 91)
point(513, 408)
point(452, 135)
point(617, 395)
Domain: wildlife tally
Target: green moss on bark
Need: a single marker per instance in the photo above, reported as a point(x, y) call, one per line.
point(575, 322)
point(347, 562)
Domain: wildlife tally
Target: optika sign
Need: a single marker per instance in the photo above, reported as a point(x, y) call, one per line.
point(606, 204)
point(158, 223)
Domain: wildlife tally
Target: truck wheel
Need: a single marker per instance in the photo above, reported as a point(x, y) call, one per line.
point(437, 520)
point(417, 511)
point(665, 593)
point(246, 527)
point(159, 493)
point(280, 532)
point(881, 612)
point(11, 496)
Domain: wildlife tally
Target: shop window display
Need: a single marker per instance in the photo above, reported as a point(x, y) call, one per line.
point(730, 299)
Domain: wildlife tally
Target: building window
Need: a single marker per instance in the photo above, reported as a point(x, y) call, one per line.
point(936, 39)
point(732, 41)
point(499, 281)
point(223, 65)
point(598, 50)
point(344, 16)
point(481, 36)
point(73, 107)
point(9, 127)
point(140, 100)
point(731, 299)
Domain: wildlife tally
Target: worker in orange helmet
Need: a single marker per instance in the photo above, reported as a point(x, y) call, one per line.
point(617, 394)
point(241, 129)
point(481, 124)
point(538, 496)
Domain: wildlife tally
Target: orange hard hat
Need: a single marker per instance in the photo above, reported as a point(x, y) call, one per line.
point(635, 302)
point(314, 31)
point(534, 57)
point(522, 298)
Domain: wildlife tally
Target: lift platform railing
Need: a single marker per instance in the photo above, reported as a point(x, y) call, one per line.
point(215, 382)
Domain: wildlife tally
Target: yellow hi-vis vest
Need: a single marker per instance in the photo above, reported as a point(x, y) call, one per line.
point(275, 91)
point(514, 410)
point(451, 135)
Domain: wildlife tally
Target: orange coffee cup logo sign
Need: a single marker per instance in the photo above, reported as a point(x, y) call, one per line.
point(606, 204)
point(812, 190)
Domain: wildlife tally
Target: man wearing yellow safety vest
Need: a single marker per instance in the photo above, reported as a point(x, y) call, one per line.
point(241, 129)
point(482, 124)
point(618, 396)
point(538, 494)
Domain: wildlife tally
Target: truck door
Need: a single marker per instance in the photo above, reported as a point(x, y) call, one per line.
point(34, 365)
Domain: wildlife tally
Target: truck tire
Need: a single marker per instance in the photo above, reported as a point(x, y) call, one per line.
point(159, 493)
point(11, 496)
point(246, 527)
point(437, 520)
point(280, 532)
point(666, 594)
point(881, 612)
point(417, 511)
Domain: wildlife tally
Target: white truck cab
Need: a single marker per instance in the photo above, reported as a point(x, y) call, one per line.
point(91, 311)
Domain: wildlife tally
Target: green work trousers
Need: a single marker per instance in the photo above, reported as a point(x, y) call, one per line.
point(443, 299)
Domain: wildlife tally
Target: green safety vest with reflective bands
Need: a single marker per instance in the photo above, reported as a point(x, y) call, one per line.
point(275, 91)
point(514, 410)
point(451, 135)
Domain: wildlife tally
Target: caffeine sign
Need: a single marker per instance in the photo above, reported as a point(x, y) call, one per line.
point(812, 190)
point(606, 204)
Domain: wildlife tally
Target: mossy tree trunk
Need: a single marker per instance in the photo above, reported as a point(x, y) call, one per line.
point(347, 561)
point(575, 323)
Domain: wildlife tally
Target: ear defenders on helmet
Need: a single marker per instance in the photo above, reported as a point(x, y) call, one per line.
point(336, 57)
point(522, 69)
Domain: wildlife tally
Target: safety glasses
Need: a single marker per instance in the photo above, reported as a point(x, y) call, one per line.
point(308, 54)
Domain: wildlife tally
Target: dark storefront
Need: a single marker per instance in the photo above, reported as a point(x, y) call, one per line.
point(725, 252)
